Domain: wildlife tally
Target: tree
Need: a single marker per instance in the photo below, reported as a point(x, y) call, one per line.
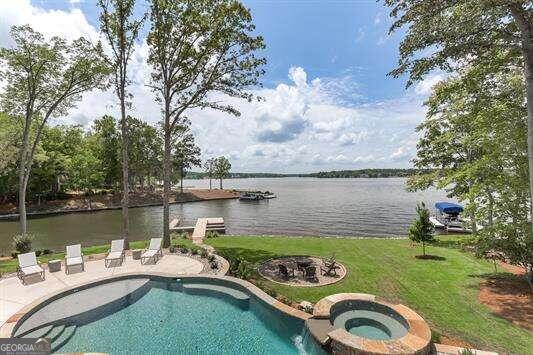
point(185, 152)
point(145, 150)
point(121, 31)
point(474, 144)
point(52, 162)
point(107, 142)
point(450, 34)
point(421, 231)
point(198, 48)
point(9, 146)
point(222, 166)
point(84, 172)
point(209, 167)
point(44, 78)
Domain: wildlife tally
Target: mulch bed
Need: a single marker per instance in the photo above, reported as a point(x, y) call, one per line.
point(509, 296)
point(269, 270)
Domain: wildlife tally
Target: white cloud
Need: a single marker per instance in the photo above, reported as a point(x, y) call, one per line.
point(70, 24)
point(305, 124)
point(361, 34)
point(366, 159)
point(425, 87)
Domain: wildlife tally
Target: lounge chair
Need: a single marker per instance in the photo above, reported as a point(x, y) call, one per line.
point(310, 273)
point(74, 257)
point(116, 252)
point(154, 251)
point(28, 266)
point(284, 271)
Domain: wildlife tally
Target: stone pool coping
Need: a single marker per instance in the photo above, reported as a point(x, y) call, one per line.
point(416, 341)
point(9, 327)
point(343, 273)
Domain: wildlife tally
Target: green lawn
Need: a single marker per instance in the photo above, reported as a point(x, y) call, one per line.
point(444, 291)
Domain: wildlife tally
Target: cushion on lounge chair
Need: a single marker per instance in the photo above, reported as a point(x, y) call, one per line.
point(27, 259)
point(155, 243)
point(117, 245)
point(74, 261)
point(73, 251)
point(29, 270)
point(114, 255)
point(149, 254)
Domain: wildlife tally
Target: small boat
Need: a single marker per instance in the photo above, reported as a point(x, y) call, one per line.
point(447, 217)
point(250, 196)
point(268, 195)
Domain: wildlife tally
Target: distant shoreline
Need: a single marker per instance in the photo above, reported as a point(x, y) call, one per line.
point(335, 174)
point(98, 203)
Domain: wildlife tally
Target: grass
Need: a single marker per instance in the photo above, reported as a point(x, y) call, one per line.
point(443, 291)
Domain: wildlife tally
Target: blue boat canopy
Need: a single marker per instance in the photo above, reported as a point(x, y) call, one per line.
point(448, 207)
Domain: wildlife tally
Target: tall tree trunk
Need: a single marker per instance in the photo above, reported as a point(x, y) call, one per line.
point(221, 183)
point(23, 173)
point(528, 59)
point(181, 179)
point(166, 182)
point(210, 186)
point(521, 17)
point(22, 200)
point(125, 173)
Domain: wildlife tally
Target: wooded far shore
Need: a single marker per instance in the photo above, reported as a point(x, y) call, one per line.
point(360, 173)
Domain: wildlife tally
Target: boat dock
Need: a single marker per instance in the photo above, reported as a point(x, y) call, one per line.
point(203, 225)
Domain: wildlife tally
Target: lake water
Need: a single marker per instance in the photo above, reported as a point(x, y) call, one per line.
point(304, 206)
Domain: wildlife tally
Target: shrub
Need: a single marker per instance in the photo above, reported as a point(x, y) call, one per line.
point(22, 243)
point(183, 249)
point(213, 264)
point(47, 251)
point(211, 258)
point(38, 252)
point(172, 249)
point(466, 352)
point(211, 234)
point(14, 254)
point(203, 253)
point(194, 251)
point(244, 269)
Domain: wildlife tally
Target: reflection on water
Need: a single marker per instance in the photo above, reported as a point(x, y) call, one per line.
point(305, 206)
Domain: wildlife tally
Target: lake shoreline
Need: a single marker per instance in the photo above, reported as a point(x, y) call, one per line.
point(98, 203)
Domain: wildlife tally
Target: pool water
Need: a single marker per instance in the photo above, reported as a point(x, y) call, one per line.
point(369, 320)
point(368, 328)
point(164, 319)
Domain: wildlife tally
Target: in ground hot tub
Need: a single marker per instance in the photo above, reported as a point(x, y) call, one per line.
point(358, 323)
point(369, 319)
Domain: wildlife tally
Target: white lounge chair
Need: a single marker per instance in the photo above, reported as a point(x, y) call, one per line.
point(116, 252)
point(28, 266)
point(74, 257)
point(154, 251)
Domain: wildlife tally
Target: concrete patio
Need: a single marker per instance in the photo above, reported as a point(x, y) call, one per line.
point(14, 295)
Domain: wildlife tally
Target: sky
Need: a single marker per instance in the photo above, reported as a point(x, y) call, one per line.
point(329, 103)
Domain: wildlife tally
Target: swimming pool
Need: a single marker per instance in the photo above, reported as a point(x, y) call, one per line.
point(157, 315)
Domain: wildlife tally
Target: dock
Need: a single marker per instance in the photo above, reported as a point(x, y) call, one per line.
point(203, 225)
